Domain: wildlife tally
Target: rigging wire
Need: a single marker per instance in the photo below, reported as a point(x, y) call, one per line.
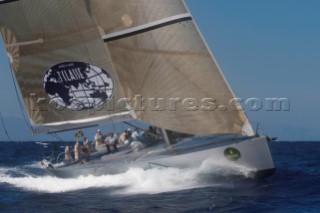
point(19, 100)
point(5, 129)
point(121, 122)
point(54, 146)
point(20, 105)
point(9, 138)
point(57, 137)
point(122, 126)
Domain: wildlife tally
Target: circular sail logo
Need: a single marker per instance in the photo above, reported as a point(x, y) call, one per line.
point(78, 85)
point(232, 154)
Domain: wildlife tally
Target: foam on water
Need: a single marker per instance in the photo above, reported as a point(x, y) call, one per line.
point(224, 168)
point(134, 181)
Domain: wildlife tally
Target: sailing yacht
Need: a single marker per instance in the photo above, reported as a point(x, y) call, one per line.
point(81, 63)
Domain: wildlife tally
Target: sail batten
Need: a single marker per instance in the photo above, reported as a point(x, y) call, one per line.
point(79, 124)
point(38, 41)
point(147, 27)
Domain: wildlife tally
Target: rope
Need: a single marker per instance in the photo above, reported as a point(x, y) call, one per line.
point(122, 126)
point(19, 100)
point(57, 137)
point(5, 129)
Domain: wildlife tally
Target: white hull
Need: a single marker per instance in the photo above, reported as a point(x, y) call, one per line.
point(251, 154)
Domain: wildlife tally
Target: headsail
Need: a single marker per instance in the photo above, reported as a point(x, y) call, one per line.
point(64, 73)
point(80, 54)
point(159, 54)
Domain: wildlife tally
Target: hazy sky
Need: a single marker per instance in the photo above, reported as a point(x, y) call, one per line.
point(266, 49)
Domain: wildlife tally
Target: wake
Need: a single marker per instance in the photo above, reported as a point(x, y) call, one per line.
point(134, 181)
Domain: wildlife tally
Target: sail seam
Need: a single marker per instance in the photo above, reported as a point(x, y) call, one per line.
point(147, 27)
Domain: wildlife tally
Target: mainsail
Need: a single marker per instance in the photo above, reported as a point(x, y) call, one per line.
point(147, 51)
point(64, 73)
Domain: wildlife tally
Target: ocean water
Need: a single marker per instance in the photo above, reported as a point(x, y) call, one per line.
point(24, 187)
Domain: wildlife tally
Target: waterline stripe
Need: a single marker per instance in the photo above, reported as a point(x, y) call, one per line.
point(147, 27)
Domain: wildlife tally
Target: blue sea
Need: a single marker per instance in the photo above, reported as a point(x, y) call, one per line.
point(24, 187)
